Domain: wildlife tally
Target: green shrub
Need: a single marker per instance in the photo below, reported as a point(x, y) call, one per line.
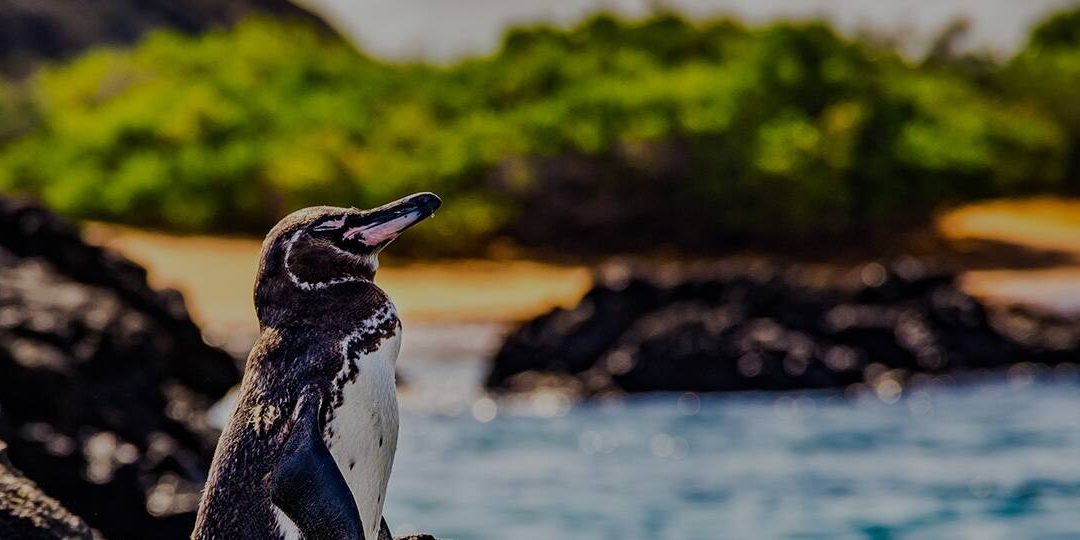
point(1047, 72)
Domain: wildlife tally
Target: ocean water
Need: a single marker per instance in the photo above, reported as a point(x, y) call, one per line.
point(994, 459)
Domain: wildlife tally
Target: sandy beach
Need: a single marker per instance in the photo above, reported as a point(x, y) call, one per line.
point(216, 275)
point(1050, 225)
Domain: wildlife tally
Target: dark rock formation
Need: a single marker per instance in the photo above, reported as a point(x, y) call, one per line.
point(754, 326)
point(35, 30)
point(27, 513)
point(104, 382)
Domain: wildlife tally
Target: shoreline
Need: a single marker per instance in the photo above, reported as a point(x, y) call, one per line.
point(1044, 226)
point(215, 273)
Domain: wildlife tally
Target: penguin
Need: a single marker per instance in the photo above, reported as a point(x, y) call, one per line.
point(308, 450)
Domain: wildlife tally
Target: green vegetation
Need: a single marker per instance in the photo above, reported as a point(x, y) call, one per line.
point(1048, 72)
point(610, 134)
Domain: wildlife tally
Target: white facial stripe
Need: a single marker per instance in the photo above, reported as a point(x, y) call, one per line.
point(370, 260)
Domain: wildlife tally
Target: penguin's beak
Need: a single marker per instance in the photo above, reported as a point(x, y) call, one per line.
point(380, 226)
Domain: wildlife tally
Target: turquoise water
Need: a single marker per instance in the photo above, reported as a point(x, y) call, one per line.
point(997, 459)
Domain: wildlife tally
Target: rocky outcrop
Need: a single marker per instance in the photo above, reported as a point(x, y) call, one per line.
point(104, 382)
point(27, 513)
point(753, 325)
point(31, 31)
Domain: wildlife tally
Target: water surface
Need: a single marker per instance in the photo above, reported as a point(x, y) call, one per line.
point(997, 459)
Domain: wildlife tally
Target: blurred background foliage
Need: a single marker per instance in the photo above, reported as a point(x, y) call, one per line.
point(614, 134)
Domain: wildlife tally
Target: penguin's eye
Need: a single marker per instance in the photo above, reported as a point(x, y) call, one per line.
point(331, 224)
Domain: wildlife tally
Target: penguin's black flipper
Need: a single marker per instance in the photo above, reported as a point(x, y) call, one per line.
point(307, 485)
point(384, 531)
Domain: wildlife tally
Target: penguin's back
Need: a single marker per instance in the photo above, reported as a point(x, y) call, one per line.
point(237, 500)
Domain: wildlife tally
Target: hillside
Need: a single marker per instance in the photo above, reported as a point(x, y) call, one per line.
point(36, 30)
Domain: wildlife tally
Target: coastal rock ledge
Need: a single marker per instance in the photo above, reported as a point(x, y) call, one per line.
point(28, 513)
point(756, 325)
point(104, 381)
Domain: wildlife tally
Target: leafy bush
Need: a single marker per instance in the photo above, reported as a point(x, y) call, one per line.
point(611, 134)
point(1047, 72)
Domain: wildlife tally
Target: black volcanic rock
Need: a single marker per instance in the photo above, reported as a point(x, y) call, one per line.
point(104, 382)
point(35, 30)
point(28, 513)
point(755, 326)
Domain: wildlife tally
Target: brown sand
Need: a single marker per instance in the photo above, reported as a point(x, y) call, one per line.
point(1040, 223)
point(216, 275)
point(1051, 224)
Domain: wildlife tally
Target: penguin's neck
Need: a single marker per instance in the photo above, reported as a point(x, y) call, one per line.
point(335, 308)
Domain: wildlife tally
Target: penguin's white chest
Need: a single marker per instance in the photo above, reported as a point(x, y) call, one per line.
point(362, 431)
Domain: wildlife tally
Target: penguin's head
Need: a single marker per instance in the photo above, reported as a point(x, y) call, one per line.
point(321, 246)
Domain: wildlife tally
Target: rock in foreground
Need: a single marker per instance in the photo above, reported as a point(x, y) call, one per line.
point(104, 382)
point(29, 514)
point(751, 325)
